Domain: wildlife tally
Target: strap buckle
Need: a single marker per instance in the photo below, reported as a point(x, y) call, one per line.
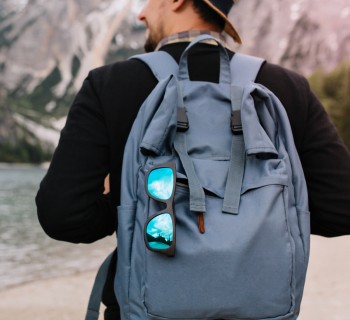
point(182, 119)
point(236, 123)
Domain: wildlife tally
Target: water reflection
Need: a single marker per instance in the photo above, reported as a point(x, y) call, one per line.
point(26, 253)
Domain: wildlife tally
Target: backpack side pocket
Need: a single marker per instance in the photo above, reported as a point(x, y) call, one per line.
point(126, 219)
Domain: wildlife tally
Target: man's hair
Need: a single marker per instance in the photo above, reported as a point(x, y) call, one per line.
point(208, 14)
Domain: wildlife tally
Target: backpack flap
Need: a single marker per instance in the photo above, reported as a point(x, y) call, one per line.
point(161, 130)
point(256, 140)
point(244, 70)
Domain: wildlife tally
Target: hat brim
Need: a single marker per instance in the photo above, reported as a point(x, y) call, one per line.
point(229, 28)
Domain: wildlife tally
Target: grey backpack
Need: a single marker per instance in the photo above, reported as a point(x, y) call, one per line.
point(213, 220)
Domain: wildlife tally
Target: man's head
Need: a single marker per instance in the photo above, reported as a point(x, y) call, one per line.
point(165, 17)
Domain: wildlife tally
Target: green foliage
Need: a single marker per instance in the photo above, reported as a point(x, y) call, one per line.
point(76, 64)
point(333, 89)
point(41, 95)
point(122, 54)
point(33, 105)
point(23, 152)
point(6, 28)
point(18, 144)
point(4, 41)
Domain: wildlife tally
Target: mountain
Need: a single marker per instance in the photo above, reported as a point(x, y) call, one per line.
point(302, 35)
point(47, 49)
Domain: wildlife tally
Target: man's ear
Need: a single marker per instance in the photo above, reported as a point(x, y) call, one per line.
point(178, 4)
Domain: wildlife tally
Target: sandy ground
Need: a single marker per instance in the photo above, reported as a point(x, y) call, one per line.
point(327, 292)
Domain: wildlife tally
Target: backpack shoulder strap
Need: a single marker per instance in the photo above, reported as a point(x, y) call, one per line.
point(161, 63)
point(95, 299)
point(245, 68)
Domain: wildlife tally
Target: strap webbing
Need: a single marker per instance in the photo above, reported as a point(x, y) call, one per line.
point(197, 196)
point(161, 63)
point(93, 310)
point(244, 69)
point(234, 181)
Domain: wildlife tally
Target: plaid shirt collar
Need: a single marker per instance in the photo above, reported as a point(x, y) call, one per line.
point(188, 36)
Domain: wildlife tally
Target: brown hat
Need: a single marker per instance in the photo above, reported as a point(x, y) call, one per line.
point(222, 8)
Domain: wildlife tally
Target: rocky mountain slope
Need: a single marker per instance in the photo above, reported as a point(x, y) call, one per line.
point(47, 49)
point(302, 35)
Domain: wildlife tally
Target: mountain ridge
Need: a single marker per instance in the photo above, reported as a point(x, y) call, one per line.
point(47, 49)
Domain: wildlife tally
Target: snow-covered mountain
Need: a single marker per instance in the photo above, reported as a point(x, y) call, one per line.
point(302, 35)
point(48, 47)
point(46, 50)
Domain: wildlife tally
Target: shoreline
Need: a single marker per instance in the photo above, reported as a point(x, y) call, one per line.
point(53, 278)
point(326, 295)
point(58, 298)
point(20, 165)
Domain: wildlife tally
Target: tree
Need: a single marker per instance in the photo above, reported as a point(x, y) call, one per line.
point(333, 89)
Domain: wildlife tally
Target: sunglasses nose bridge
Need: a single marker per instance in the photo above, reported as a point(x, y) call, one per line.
point(161, 205)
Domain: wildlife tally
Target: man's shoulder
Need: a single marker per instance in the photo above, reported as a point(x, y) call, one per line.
point(275, 75)
point(121, 69)
point(122, 77)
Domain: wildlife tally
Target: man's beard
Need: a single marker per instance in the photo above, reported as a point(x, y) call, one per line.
point(153, 38)
point(150, 45)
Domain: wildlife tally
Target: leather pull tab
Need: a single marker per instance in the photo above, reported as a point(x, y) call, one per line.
point(201, 225)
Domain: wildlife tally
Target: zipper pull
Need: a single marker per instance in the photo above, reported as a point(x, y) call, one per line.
point(201, 225)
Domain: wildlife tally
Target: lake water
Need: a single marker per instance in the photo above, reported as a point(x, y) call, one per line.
point(26, 252)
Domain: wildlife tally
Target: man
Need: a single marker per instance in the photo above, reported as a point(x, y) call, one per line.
point(72, 205)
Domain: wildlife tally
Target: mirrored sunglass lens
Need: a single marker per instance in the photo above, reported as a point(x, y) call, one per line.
point(160, 183)
point(159, 232)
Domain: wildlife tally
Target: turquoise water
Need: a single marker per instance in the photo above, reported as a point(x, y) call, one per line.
point(26, 252)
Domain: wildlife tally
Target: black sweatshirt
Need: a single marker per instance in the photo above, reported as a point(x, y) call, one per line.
point(70, 203)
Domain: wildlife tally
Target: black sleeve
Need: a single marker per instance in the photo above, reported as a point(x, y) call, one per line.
point(70, 203)
point(324, 157)
point(326, 163)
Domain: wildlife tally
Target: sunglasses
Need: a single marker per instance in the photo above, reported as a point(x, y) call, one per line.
point(159, 230)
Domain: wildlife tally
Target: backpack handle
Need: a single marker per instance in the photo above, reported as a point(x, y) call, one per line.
point(225, 72)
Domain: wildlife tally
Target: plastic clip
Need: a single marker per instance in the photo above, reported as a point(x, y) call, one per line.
point(182, 119)
point(236, 123)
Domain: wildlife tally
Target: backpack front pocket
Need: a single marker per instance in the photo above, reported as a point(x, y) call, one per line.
point(241, 267)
